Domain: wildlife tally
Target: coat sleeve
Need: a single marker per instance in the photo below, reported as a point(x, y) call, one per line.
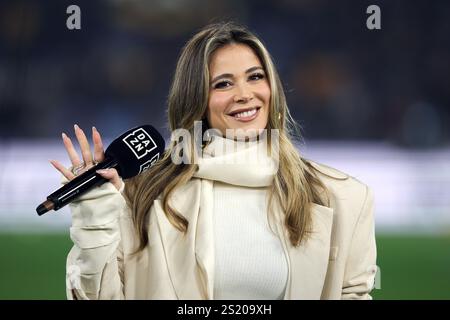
point(360, 270)
point(94, 268)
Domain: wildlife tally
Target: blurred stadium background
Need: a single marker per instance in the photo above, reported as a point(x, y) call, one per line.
point(375, 104)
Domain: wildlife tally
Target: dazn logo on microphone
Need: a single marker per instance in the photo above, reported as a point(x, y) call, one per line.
point(140, 142)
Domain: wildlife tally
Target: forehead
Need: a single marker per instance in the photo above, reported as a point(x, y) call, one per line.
point(233, 58)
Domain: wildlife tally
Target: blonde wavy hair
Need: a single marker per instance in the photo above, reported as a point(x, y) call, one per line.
point(296, 184)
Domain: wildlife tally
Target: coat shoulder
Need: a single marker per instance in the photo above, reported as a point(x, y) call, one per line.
point(344, 193)
point(327, 170)
point(339, 182)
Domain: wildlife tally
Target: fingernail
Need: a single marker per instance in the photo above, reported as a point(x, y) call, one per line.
point(63, 135)
point(75, 126)
point(101, 171)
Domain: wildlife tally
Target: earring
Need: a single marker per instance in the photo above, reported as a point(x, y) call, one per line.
point(279, 115)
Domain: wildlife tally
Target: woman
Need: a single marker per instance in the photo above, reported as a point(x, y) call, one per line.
point(205, 230)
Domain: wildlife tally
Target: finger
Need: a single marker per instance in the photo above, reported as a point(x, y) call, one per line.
point(84, 145)
point(112, 175)
point(65, 172)
point(73, 155)
point(109, 174)
point(99, 154)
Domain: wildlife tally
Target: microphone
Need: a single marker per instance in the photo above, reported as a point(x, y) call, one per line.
point(130, 154)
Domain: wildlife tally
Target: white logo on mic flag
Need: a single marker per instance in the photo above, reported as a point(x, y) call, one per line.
point(149, 163)
point(140, 142)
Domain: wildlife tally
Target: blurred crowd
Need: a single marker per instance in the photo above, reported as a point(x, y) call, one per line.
point(343, 81)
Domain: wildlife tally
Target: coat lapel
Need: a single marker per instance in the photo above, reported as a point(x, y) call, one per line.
point(308, 263)
point(190, 256)
point(204, 248)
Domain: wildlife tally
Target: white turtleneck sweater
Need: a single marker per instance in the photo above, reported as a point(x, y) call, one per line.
point(250, 262)
point(249, 259)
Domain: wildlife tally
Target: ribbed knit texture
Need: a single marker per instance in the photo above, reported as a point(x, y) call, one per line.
point(249, 259)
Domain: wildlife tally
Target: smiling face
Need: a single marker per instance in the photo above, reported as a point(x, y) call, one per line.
point(239, 92)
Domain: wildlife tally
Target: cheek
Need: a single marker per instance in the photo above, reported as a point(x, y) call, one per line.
point(217, 104)
point(264, 96)
point(262, 92)
point(265, 93)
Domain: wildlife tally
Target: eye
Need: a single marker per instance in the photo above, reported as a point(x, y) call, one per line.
point(222, 85)
point(256, 76)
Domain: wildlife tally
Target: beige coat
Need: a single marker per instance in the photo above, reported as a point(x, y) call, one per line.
point(338, 262)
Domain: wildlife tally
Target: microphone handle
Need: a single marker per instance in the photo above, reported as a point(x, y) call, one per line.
point(81, 184)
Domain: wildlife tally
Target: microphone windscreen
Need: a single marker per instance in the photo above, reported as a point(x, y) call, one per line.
point(136, 150)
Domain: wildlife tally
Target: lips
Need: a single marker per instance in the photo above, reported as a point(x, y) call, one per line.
point(246, 114)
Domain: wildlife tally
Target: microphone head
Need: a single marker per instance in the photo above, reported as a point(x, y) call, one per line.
point(136, 150)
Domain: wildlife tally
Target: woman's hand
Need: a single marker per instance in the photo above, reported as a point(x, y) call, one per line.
point(99, 155)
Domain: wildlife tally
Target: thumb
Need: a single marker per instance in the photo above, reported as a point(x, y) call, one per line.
point(112, 175)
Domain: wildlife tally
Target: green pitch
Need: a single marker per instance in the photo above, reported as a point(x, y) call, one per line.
point(32, 266)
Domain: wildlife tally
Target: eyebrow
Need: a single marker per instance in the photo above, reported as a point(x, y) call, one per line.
point(229, 75)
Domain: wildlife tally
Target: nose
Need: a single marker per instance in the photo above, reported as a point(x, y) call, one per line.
point(243, 94)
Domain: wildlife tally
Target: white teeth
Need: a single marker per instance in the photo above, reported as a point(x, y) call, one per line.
point(245, 113)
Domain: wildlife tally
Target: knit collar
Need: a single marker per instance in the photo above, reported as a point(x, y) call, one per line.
point(237, 162)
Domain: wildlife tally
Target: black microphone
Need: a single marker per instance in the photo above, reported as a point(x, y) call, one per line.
point(130, 154)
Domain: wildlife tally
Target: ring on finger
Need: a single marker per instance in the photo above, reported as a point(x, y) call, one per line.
point(77, 169)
